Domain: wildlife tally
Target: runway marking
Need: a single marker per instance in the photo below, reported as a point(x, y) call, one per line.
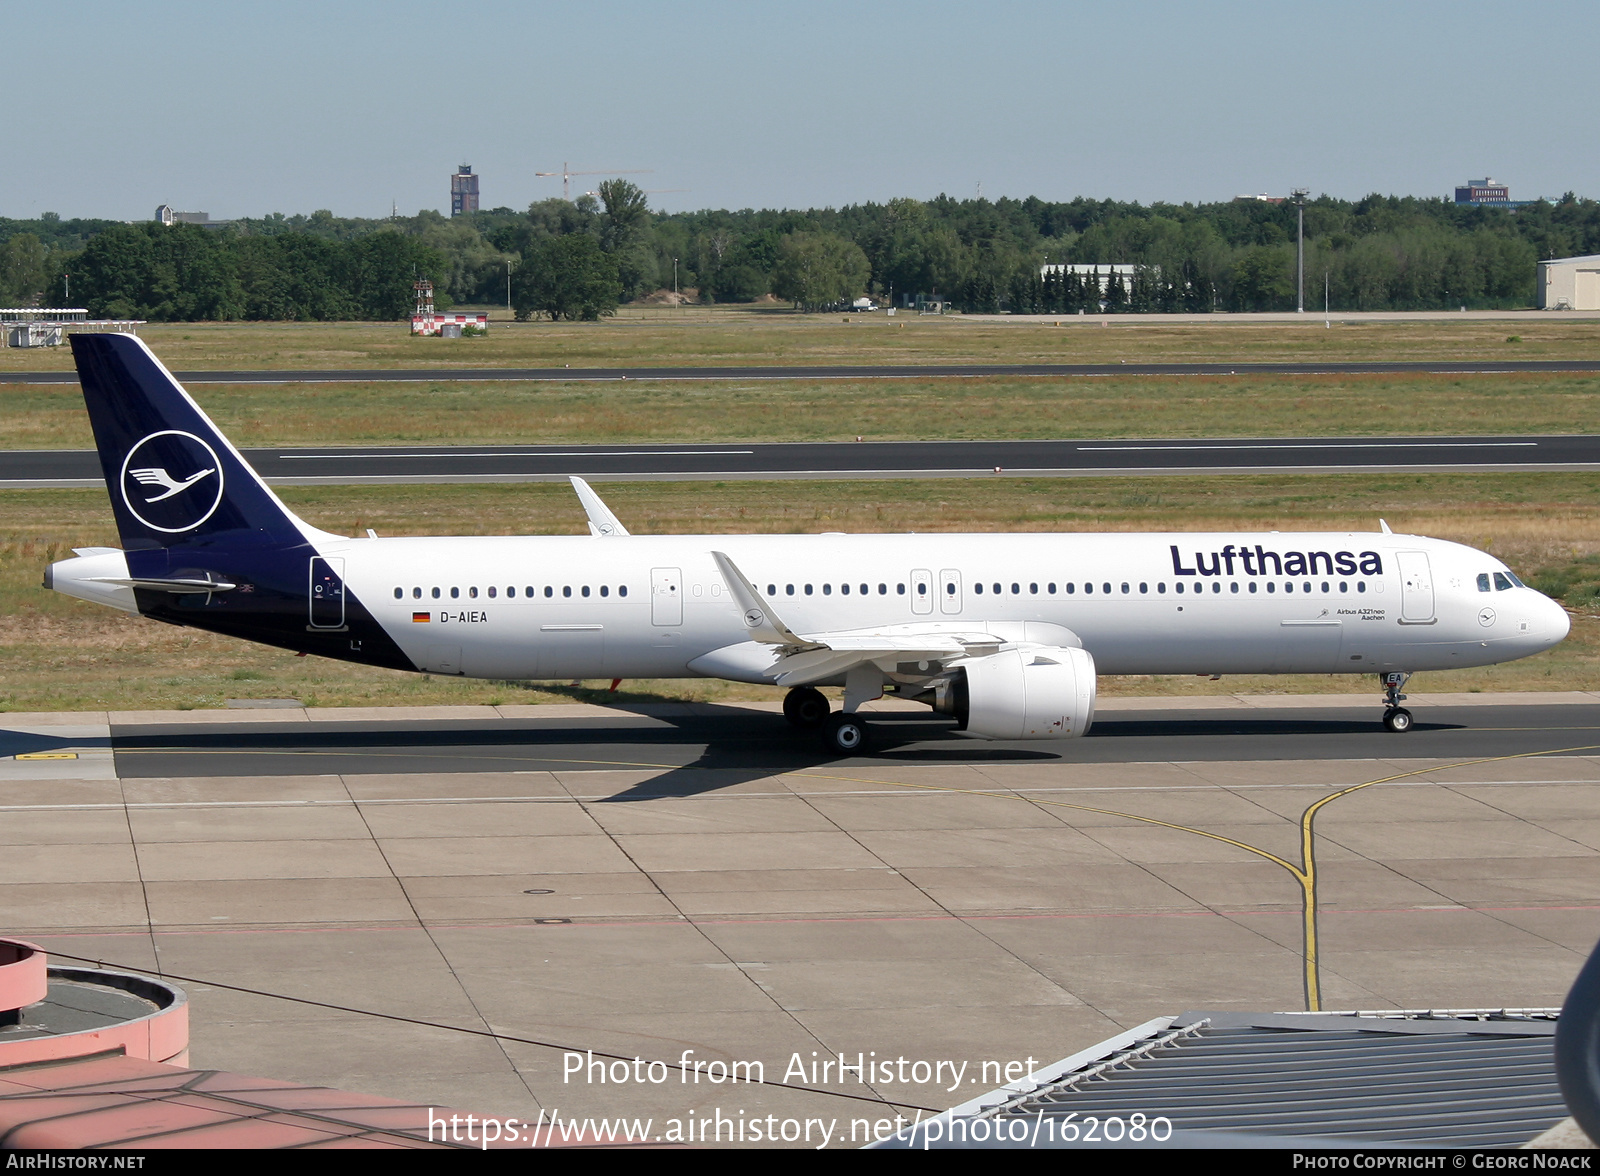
point(552, 453)
point(1311, 445)
point(576, 798)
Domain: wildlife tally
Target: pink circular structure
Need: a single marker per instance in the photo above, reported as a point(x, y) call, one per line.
point(22, 975)
point(47, 1014)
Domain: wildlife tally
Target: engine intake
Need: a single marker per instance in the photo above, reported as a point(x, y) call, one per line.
point(1045, 692)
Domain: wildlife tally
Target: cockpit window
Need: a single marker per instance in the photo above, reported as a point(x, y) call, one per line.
point(1500, 582)
point(1483, 582)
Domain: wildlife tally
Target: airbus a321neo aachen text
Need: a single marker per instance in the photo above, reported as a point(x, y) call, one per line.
point(1003, 633)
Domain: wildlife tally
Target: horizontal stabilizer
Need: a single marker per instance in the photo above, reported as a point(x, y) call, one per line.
point(168, 584)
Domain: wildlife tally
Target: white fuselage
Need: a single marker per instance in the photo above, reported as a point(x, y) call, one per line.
point(640, 606)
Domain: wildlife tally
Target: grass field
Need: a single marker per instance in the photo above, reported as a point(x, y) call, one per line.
point(62, 654)
point(733, 336)
point(51, 416)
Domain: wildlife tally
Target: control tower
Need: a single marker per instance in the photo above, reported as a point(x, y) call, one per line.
point(463, 191)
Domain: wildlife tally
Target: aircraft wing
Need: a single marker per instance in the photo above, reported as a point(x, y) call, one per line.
point(813, 657)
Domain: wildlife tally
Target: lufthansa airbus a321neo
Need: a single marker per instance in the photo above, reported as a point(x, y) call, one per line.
point(1004, 633)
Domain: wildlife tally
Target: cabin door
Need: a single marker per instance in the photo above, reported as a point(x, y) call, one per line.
point(1416, 588)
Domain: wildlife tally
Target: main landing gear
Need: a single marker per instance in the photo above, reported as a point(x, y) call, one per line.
point(806, 707)
point(809, 709)
point(1396, 718)
point(844, 734)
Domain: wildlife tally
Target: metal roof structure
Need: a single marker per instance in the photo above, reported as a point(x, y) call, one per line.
point(1426, 1078)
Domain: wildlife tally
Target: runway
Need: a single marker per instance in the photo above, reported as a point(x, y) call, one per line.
point(357, 465)
point(841, 372)
point(702, 748)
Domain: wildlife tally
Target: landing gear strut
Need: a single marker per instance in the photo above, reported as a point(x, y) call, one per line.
point(1395, 717)
point(806, 707)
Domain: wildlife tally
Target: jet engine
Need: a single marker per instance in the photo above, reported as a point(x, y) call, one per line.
point(1040, 692)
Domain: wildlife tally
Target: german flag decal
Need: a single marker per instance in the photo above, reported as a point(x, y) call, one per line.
point(421, 618)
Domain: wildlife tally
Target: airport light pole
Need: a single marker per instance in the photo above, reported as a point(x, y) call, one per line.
point(1300, 195)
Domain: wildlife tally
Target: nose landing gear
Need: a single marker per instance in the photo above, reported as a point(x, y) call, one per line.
point(1395, 717)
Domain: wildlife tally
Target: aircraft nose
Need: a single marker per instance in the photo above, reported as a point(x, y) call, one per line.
point(1551, 621)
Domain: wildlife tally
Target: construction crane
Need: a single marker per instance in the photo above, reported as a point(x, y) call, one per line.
point(566, 175)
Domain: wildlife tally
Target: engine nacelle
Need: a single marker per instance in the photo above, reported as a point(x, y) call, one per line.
point(1043, 692)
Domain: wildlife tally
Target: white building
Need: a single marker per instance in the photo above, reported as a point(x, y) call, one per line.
point(1101, 274)
point(1570, 283)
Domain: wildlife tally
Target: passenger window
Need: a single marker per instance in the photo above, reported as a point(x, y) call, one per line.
point(549, 591)
point(1161, 588)
point(1306, 587)
point(1483, 582)
point(883, 589)
point(1288, 586)
point(1143, 588)
point(436, 594)
point(472, 592)
point(1178, 587)
point(586, 589)
point(1088, 589)
point(997, 590)
point(1324, 587)
point(399, 593)
point(455, 594)
point(808, 589)
point(844, 589)
point(528, 591)
point(1033, 589)
point(1124, 587)
point(1051, 588)
point(605, 591)
point(864, 589)
point(566, 590)
point(772, 589)
point(1216, 589)
point(900, 589)
point(1252, 587)
point(949, 589)
point(1361, 585)
point(622, 589)
point(1272, 586)
point(1233, 587)
point(1500, 582)
point(977, 588)
point(1106, 588)
point(789, 588)
point(922, 589)
point(1071, 588)
point(491, 591)
point(416, 594)
point(827, 589)
point(1344, 586)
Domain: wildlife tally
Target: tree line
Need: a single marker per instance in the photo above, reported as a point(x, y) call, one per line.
point(580, 259)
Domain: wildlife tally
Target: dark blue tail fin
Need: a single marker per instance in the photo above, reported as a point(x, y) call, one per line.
point(173, 477)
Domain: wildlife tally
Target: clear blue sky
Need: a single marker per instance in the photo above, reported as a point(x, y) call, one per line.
point(243, 110)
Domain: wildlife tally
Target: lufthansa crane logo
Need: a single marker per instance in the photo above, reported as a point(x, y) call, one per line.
point(754, 617)
point(172, 481)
